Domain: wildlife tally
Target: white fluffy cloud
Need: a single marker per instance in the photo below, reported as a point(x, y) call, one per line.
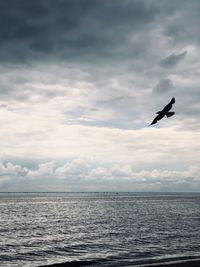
point(10, 172)
point(44, 169)
point(11, 169)
point(85, 175)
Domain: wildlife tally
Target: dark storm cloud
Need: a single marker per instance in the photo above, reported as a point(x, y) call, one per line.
point(173, 59)
point(68, 29)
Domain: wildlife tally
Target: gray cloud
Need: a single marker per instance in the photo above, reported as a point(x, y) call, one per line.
point(183, 27)
point(164, 86)
point(173, 59)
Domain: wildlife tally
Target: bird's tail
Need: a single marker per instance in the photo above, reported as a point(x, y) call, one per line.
point(169, 114)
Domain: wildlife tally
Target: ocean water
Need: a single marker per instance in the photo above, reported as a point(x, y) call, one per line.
point(104, 229)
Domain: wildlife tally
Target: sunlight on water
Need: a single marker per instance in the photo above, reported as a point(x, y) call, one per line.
point(38, 229)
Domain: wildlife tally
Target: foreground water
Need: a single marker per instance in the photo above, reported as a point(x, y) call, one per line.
point(106, 229)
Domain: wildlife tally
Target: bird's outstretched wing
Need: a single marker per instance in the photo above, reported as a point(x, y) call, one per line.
point(153, 122)
point(169, 106)
point(157, 118)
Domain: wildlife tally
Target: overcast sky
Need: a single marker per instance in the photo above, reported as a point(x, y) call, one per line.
point(79, 83)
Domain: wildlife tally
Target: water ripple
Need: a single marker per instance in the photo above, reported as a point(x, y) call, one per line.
point(105, 229)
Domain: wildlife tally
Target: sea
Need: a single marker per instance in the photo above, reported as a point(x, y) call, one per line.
point(98, 229)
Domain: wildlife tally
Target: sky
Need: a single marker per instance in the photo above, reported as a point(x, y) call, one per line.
point(80, 81)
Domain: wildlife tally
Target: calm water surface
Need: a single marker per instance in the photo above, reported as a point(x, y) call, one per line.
point(108, 229)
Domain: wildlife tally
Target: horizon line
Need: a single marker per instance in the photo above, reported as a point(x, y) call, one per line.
point(105, 192)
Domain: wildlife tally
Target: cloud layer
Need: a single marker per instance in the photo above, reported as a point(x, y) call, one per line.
point(84, 175)
point(82, 80)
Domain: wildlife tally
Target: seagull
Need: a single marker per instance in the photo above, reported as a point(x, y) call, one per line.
point(164, 112)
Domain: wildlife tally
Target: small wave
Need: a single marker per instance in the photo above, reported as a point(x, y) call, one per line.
point(72, 264)
point(174, 263)
point(168, 262)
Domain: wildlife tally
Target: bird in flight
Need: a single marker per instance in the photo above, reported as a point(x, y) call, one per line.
point(164, 112)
